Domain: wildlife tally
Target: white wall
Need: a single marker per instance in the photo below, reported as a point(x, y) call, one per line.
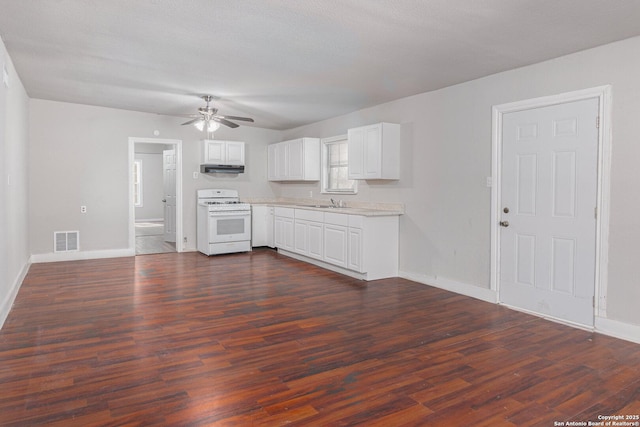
point(79, 156)
point(14, 231)
point(446, 157)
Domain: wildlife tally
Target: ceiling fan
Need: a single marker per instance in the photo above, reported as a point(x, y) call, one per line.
point(209, 119)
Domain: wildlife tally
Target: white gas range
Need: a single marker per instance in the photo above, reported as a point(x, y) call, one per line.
point(223, 222)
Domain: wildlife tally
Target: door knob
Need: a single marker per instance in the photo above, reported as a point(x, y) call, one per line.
point(504, 223)
point(164, 200)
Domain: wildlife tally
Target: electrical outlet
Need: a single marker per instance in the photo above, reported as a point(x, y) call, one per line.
point(489, 182)
point(83, 209)
point(195, 175)
point(310, 193)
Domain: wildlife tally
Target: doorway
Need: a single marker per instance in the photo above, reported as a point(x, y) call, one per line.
point(156, 195)
point(549, 206)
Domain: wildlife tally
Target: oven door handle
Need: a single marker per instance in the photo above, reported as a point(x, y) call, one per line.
point(230, 213)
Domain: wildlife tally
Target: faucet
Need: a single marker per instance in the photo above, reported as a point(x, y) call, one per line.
point(333, 203)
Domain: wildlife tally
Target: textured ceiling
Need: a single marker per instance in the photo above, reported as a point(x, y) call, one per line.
point(288, 62)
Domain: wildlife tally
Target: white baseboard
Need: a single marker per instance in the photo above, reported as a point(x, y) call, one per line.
point(150, 220)
point(617, 329)
point(323, 264)
point(613, 328)
point(82, 255)
point(473, 291)
point(7, 303)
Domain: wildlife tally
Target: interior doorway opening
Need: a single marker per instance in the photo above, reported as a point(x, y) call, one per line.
point(155, 195)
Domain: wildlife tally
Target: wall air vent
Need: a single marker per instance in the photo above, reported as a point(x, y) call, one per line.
point(66, 241)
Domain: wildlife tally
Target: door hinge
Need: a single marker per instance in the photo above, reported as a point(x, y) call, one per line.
point(595, 212)
point(598, 122)
point(593, 301)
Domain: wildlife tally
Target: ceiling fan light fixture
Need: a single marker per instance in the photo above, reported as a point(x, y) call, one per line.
point(212, 126)
point(199, 125)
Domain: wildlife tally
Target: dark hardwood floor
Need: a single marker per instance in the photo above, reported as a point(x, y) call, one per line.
point(261, 339)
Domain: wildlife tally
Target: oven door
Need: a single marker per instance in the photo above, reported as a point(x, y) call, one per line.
point(226, 226)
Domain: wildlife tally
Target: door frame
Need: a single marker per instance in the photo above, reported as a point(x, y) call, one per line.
point(603, 95)
point(177, 145)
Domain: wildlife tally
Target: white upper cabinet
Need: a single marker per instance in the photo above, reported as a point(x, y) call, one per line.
point(216, 152)
point(295, 160)
point(374, 151)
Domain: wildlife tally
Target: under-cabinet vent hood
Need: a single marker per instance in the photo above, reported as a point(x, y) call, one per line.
point(221, 168)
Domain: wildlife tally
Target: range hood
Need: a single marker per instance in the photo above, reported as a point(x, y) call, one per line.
point(221, 168)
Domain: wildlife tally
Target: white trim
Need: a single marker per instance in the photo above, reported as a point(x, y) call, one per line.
point(82, 255)
point(9, 299)
point(140, 202)
point(603, 94)
point(466, 289)
point(617, 329)
point(177, 144)
point(149, 220)
point(551, 318)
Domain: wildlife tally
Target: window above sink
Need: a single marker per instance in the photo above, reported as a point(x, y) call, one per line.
point(335, 166)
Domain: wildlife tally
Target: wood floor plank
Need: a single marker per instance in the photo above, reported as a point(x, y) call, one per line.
point(262, 339)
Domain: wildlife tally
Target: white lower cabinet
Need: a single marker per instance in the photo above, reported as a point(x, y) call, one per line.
point(301, 237)
point(363, 246)
point(284, 228)
point(316, 239)
point(354, 260)
point(335, 238)
point(335, 244)
point(308, 233)
point(262, 226)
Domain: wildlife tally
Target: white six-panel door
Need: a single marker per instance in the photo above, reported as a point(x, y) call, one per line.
point(548, 226)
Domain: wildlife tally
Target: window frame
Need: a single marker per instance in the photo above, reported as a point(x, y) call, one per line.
point(324, 170)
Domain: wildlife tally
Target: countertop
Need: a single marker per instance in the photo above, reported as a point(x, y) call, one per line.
point(378, 210)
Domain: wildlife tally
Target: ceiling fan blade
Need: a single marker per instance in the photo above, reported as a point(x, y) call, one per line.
point(192, 121)
point(224, 122)
point(245, 119)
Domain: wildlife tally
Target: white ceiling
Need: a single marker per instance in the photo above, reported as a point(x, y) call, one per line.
point(288, 62)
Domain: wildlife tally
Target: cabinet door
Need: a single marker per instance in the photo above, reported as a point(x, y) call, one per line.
point(335, 244)
point(271, 163)
point(300, 233)
point(279, 232)
point(355, 144)
point(296, 159)
point(214, 152)
point(270, 231)
point(259, 225)
point(235, 153)
point(372, 152)
point(282, 159)
point(289, 234)
point(355, 250)
point(315, 230)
